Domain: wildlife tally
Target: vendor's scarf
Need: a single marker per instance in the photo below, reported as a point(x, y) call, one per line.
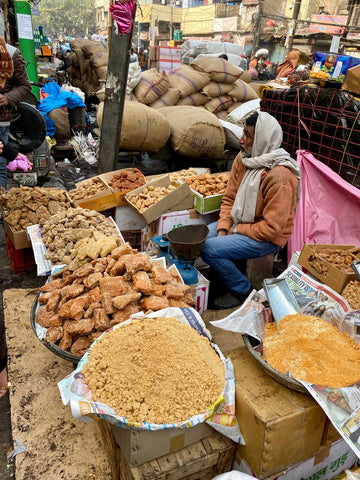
point(266, 153)
point(6, 63)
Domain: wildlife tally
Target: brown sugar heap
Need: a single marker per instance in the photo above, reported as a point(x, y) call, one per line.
point(312, 350)
point(155, 370)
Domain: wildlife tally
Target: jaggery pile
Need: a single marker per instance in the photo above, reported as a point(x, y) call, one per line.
point(155, 370)
point(312, 350)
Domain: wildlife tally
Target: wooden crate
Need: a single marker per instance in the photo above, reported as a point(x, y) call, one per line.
point(201, 460)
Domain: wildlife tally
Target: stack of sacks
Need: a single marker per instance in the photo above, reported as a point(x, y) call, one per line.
point(189, 99)
point(89, 60)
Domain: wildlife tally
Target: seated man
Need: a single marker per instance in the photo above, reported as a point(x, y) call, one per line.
point(258, 208)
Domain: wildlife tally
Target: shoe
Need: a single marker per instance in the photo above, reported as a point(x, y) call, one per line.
point(230, 300)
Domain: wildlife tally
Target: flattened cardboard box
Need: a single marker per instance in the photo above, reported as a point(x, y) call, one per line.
point(100, 202)
point(175, 197)
point(333, 277)
point(108, 176)
point(141, 446)
point(281, 427)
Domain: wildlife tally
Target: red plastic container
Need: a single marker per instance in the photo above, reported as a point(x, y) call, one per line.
point(20, 260)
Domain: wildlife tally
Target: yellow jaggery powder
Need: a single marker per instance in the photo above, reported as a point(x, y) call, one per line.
point(312, 350)
point(155, 370)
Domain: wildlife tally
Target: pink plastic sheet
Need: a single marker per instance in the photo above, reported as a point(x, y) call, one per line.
point(329, 207)
point(123, 13)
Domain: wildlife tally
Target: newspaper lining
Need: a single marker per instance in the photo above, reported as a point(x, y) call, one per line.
point(341, 405)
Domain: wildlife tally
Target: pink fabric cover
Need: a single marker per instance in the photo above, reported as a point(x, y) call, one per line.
point(329, 207)
point(123, 12)
point(21, 162)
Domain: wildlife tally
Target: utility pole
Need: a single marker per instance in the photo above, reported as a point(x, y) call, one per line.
point(292, 26)
point(115, 90)
point(256, 38)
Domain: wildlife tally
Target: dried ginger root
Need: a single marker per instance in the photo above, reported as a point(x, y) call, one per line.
point(155, 370)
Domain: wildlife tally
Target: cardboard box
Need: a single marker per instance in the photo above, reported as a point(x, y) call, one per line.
point(281, 427)
point(108, 176)
point(20, 239)
point(333, 277)
point(332, 459)
point(127, 219)
point(145, 445)
point(173, 198)
point(170, 220)
point(352, 80)
point(206, 204)
point(203, 459)
point(99, 202)
point(200, 291)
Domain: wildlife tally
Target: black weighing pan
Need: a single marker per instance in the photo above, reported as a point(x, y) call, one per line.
point(186, 242)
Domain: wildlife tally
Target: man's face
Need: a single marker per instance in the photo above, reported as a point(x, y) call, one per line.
point(247, 140)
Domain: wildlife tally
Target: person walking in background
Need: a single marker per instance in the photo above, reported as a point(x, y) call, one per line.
point(14, 87)
point(133, 56)
point(257, 210)
point(142, 59)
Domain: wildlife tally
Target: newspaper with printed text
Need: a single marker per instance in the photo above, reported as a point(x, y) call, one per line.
point(341, 405)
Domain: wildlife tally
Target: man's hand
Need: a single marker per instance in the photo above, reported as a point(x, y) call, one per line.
point(3, 101)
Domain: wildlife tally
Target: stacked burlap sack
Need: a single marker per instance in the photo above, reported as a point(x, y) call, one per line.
point(183, 107)
point(88, 64)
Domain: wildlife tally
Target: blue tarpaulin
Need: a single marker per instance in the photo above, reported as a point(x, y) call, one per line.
point(56, 98)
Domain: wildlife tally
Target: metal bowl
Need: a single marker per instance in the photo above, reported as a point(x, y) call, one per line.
point(50, 346)
point(251, 343)
point(186, 242)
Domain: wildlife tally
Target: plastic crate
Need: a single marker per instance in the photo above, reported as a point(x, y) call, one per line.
point(133, 237)
point(20, 260)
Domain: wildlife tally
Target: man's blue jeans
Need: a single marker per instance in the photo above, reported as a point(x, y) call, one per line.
point(4, 137)
point(221, 252)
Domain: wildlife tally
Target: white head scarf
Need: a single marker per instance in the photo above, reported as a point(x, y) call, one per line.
point(266, 153)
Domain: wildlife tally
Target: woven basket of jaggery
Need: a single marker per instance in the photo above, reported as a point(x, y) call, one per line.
point(312, 350)
point(155, 370)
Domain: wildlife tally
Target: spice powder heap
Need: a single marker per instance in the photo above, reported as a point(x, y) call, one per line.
point(155, 370)
point(312, 350)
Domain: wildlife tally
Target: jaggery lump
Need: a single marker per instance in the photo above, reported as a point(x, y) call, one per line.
point(155, 370)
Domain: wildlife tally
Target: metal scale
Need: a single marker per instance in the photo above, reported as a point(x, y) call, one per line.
point(181, 247)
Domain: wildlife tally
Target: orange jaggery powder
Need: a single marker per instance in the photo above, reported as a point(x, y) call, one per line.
point(312, 350)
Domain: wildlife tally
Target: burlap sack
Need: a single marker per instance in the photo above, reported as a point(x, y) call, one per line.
point(219, 69)
point(73, 73)
point(100, 59)
point(60, 116)
point(152, 86)
point(91, 48)
point(72, 58)
point(242, 91)
point(256, 88)
point(81, 60)
point(216, 89)
point(143, 129)
point(194, 100)
point(245, 76)
point(222, 115)
point(195, 132)
point(168, 99)
point(101, 72)
point(78, 43)
point(234, 106)
point(187, 80)
point(220, 103)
